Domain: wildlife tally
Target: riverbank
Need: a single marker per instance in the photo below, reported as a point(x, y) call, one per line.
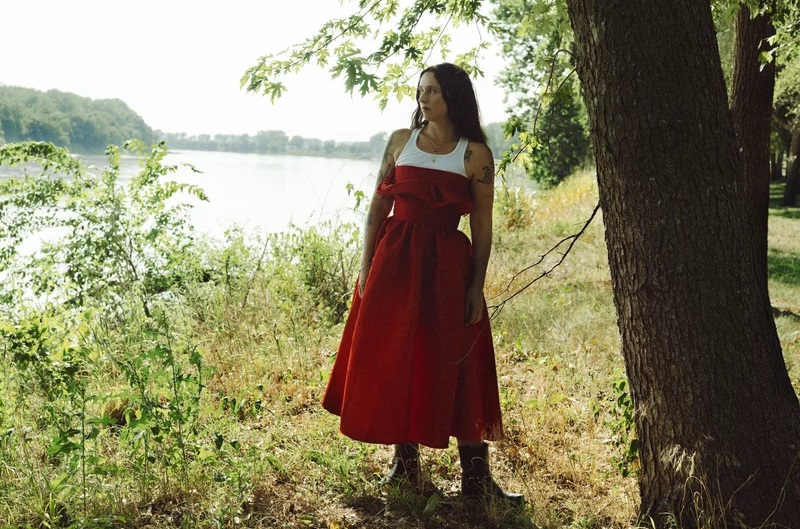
point(206, 413)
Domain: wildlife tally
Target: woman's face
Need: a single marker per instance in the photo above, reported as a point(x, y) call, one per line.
point(431, 101)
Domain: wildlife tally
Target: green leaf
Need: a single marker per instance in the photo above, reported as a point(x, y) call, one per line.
point(432, 504)
point(59, 480)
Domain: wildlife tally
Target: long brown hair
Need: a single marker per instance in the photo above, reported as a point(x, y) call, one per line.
point(459, 96)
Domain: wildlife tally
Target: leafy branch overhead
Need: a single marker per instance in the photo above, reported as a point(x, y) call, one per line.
point(785, 15)
point(379, 48)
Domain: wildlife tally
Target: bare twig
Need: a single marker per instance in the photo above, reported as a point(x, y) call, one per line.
point(495, 309)
point(438, 38)
point(256, 271)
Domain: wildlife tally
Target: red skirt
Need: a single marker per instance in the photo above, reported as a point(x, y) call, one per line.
point(408, 369)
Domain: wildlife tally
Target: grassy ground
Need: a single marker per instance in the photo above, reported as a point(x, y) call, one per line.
point(784, 278)
point(238, 439)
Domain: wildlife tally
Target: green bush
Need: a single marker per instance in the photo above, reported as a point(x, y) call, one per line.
point(101, 240)
point(327, 257)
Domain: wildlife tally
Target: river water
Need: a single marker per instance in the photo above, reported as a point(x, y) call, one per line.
point(260, 192)
point(269, 192)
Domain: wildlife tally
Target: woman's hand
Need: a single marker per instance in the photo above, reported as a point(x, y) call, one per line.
point(362, 279)
point(473, 311)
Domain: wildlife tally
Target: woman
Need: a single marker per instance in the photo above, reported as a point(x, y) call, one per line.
point(416, 361)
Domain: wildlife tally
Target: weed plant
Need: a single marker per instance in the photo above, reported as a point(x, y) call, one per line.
point(193, 400)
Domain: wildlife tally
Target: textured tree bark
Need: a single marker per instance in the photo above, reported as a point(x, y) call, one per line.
point(717, 417)
point(752, 90)
point(792, 174)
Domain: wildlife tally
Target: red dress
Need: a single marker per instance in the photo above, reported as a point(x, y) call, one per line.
point(408, 369)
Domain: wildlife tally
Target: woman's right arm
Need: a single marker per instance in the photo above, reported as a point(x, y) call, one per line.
point(379, 206)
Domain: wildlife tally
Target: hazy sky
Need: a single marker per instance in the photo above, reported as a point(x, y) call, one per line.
point(178, 63)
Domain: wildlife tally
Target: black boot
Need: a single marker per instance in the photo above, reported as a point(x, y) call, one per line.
point(405, 465)
point(476, 479)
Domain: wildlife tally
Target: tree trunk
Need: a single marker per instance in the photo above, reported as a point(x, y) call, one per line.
point(793, 173)
point(777, 165)
point(751, 105)
point(717, 417)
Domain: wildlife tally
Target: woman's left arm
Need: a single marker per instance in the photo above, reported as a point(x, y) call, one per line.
point(480, 169)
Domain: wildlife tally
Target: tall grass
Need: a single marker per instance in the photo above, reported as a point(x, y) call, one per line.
point(206, 412)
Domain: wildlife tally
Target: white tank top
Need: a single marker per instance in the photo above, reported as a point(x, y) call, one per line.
point(452, 162)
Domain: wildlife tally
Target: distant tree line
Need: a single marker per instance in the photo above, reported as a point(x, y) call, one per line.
point(278, 142)
point(84, 125)
point(68, 120)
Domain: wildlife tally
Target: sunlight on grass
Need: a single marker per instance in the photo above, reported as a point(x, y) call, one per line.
point(212, 418)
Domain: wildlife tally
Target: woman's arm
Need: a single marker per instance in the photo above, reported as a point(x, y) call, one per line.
point(480, 169)
point(379, 206)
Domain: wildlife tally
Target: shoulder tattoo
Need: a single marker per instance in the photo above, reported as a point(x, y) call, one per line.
point(468, 155)
point(488, 176)
point(384, 169)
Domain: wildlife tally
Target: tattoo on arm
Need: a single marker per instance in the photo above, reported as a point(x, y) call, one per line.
point(467, 155)
point(384, 170)
point(488, 176)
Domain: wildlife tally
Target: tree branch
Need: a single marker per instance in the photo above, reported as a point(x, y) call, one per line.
point(509, 159)
point(495, 309)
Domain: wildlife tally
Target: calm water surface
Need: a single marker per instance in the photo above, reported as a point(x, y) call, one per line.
point(270, 192)
point(260, 192)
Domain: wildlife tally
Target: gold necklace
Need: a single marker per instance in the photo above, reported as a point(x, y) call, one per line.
point(433, 143)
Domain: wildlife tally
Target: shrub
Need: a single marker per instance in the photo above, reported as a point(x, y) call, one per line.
point(100, 240)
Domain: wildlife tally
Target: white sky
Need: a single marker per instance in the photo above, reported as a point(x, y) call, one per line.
point(178, 63)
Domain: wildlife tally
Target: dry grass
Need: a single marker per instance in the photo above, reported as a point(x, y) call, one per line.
point(557, 351)
point(558, 354)
point(283, 463)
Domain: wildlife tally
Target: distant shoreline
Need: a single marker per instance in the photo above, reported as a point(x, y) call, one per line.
point(335, 155)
